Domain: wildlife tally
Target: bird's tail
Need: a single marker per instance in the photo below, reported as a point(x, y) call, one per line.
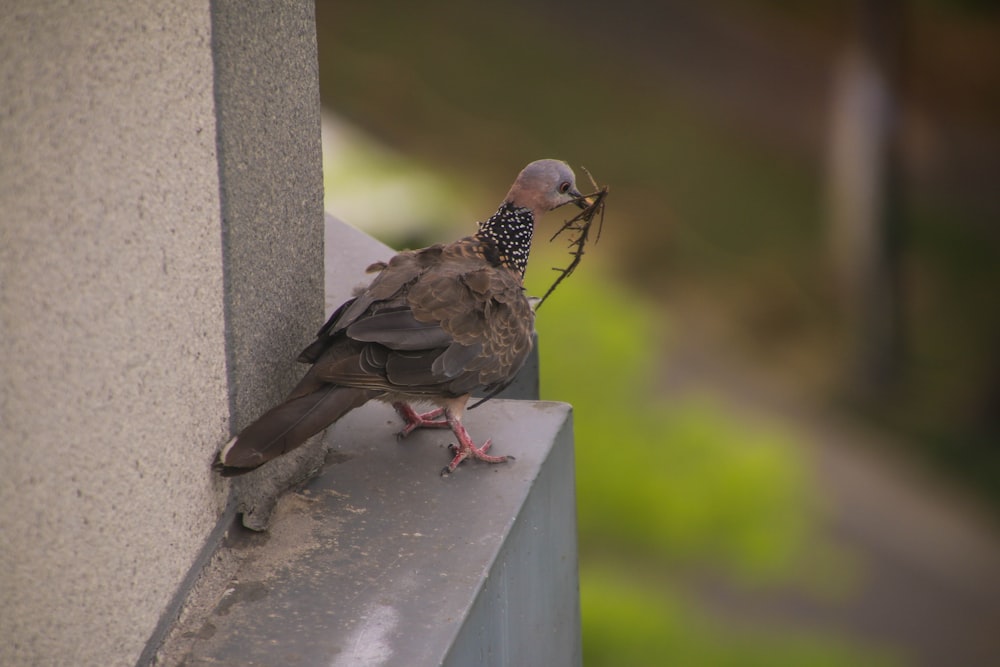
point(286, 426)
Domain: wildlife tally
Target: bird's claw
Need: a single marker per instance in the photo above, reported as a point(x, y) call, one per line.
point(466, 451)
point(415, 420)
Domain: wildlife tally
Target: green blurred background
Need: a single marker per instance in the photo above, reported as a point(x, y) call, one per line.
point(787, 454)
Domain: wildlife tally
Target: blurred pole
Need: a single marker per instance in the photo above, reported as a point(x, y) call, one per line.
point(864, 198)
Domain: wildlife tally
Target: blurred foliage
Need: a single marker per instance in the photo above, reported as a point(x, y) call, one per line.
point(665, 488)
point(717, 205)
point(626, 624)
point(364, 181)
point(688, 482)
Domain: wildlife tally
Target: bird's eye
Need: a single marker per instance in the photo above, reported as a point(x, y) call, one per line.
point(564, 187)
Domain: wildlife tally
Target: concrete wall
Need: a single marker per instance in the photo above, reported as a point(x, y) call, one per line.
point(160, 263)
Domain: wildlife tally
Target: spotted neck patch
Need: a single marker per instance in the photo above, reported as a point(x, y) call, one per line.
point(510, 230)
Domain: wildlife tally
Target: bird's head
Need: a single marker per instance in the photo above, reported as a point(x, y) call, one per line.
point(544, 185)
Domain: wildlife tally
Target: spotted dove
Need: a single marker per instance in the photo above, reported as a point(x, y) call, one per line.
point(434, 326)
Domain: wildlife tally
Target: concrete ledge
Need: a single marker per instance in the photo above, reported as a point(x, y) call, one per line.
point(379, 560)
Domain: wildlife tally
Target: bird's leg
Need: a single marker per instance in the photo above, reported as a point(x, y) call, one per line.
point(415, 420)
point(466, 448)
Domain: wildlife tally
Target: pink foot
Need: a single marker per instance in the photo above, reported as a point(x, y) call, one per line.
point(415, 420)
point(466, 448)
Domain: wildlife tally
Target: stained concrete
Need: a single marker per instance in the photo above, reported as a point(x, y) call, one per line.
point(114, 284)
point(381, 561)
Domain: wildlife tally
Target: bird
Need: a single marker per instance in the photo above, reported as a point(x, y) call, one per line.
point(433, 326)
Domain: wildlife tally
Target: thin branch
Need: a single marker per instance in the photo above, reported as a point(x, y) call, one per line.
point(579, 227)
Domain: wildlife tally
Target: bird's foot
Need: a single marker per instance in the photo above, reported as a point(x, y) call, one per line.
point(415, 420)
point(468, 450)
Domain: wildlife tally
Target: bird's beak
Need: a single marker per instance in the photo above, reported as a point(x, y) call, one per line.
point(579, 199)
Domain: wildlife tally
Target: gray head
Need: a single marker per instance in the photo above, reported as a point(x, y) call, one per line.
point(544, 185)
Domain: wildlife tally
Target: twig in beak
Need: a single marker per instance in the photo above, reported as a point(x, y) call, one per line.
point(580, 223)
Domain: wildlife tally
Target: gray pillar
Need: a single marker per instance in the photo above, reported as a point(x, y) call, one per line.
point(271, 173)
point(160, 260)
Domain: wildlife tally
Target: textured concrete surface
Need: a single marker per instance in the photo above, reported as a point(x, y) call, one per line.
point(271, 172)
point(381, 561)
point(270, 167)
point(113, 317)
point(348, 253)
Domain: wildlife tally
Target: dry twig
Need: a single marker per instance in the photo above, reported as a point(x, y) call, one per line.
point(579, 227)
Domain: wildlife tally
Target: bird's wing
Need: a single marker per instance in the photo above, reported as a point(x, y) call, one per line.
point(441, 321)
point(385, 290)
point(484, 310)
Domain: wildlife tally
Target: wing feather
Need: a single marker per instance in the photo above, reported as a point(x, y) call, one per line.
point(437, 321)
